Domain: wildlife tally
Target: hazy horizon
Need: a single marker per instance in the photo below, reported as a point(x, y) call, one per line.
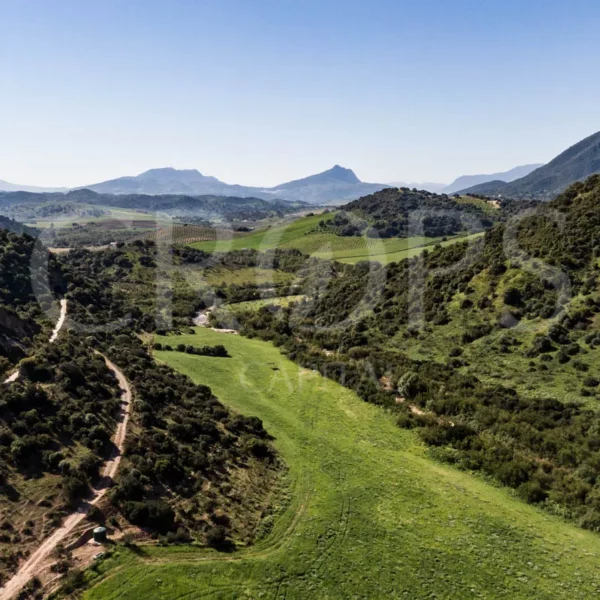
point(274, 91)
point(392, 182)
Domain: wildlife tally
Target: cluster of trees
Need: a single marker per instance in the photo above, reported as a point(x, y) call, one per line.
point(16, 227)
point(218, 351)
point(185, 442)
point(119, 285)
point(19, 274)
point(66, 399)
point(286, 261)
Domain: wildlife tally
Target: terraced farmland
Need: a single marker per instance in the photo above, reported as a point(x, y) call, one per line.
point(369, 513)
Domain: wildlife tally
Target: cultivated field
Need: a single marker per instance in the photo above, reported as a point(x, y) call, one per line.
point(300, 234)
point(183, 234)
point(369, 514)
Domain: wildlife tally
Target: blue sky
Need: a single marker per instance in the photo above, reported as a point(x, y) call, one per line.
point(262, 91)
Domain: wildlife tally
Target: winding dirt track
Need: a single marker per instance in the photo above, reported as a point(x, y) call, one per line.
point(36, 562)
point(61, 321)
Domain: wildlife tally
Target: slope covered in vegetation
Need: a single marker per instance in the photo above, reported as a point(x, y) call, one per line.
point(184, 441)
point(29, 277)
point(56, 424)
point(403, 213)
point(188, 461)
point(15, 227)
point(425, 338)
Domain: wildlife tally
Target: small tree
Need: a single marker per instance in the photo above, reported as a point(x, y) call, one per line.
point(216, 536)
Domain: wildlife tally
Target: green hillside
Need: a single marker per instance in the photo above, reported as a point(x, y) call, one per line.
point(490, 351)
point(369, 515)
point(302, 235)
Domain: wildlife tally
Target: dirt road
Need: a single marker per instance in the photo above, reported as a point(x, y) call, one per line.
point(59, 324)
point(39, 559)
point(61, 320)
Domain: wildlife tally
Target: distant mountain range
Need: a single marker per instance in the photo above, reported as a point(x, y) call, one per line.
point(5, 186)
point(574, 164)
point(336, 185)
point(468, 181)
point(339, 185)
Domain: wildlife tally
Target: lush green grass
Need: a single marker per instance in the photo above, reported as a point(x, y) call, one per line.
point(300, 234)
point(390, 250)
point(265, 239)
point(371, 515)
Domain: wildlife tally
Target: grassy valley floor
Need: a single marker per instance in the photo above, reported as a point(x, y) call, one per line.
point(369, 515)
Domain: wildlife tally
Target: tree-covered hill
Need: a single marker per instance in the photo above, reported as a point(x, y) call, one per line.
point(401, 212)
point(16, 227)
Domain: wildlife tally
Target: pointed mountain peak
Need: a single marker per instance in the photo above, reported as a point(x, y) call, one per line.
point(346, 175)
point(335, 175)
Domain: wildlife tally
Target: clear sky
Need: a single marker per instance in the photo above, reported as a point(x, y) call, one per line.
point(262, 91)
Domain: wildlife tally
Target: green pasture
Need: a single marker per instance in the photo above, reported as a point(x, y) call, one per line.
point(369, 513)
